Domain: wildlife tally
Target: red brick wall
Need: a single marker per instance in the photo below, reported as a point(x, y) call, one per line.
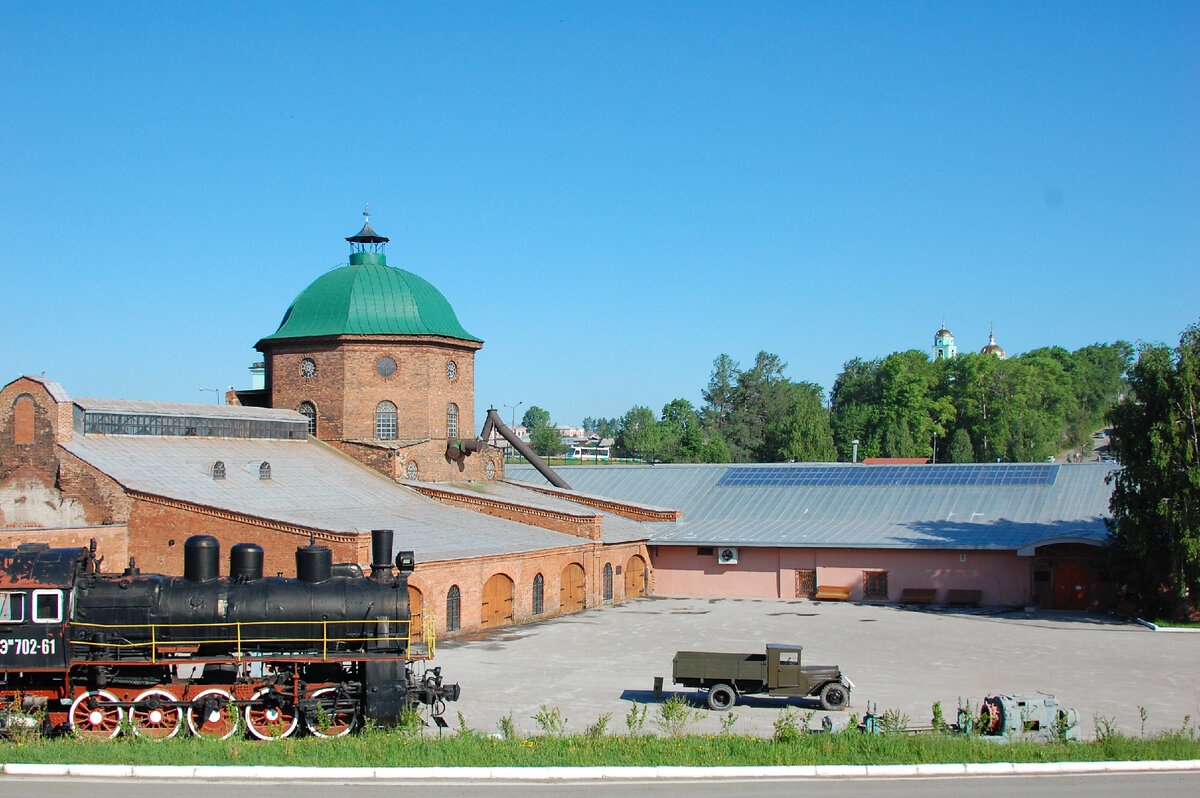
point(159, 527)
point(347, 388)
point(434, 580)
point(587, 527)
point(112, 542)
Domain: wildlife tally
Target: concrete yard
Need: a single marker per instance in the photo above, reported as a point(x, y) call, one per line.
point(596, 662)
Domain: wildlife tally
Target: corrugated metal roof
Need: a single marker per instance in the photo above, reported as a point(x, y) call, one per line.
point(149, 407)
point(310, 486)
point(953, 517)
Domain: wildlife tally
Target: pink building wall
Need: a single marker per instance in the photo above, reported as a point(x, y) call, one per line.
point(1004, 577)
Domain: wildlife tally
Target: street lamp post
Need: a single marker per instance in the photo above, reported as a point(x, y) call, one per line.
point(216, 391)
point(514, 413)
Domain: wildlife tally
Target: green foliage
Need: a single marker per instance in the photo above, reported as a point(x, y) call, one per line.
point(508, 727)
point(551, 720)
point(939, 718)
point(727, 721)
point(546, 441)
point(787, 726)
point(596, 730)
point(892, 721)
point(411, 724)
point(635, 720)
point(1154, 545)
point(535, 418)
point(961, 450)
point(675, 716)
point(638, 434)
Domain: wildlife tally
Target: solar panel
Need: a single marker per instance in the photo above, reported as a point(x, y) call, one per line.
point(899, 476)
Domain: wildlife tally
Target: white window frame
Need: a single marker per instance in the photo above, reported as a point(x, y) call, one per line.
point(33, 613)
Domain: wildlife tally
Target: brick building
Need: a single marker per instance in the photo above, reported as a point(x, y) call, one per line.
point(360, 425)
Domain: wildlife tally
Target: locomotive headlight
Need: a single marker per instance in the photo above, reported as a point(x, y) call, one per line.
point(405, 562)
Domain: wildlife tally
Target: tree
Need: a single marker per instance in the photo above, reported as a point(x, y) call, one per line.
point(545, 440)
point(534, 418)
point(802, 433)
point(638, 435)
point(1154, 539)
point(718, 396)
point(960, 450)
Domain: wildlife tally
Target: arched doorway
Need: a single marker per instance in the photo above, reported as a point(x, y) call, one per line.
point(416, 608)
point(497, 602)
point(635, 577)
point(571, 595)
point(1070, 587)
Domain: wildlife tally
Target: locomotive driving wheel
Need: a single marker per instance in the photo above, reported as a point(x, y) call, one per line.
point(334, 717)
point(153, 717)
point(213, 715)
point(95, 714)
point(270, 716)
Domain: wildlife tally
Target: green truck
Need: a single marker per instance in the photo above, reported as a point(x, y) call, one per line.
point(778, 672)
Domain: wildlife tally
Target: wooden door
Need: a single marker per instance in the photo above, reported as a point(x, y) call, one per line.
point(416, 609)
point(497, 602)
point(635, 577)
point(1070, 587)
point(571, 595)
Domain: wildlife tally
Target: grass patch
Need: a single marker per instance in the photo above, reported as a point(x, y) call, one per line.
point(375, 748)
point(1177, 624)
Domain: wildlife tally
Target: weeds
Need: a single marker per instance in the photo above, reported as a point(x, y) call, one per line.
point(1104, 728)
point(463, 729)
point(1142, 715)
point(675, 716)
point(787, 727)
point(551, 721)
point(892, 721)
point(939, 718)
point(635, 721)
point(508, 728)
point(727, 721)
point(597, 730)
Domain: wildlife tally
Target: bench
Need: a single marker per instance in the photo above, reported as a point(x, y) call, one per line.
point(833, 593)
point(918, 595)
point(964, 598)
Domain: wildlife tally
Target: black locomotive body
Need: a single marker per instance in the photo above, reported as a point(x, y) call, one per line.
point(94, 653)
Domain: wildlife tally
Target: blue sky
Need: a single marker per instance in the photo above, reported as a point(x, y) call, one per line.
point(609, 194)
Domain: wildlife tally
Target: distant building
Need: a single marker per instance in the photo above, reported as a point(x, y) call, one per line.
point(943, 344)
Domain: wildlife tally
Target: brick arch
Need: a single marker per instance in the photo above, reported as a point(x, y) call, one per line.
point(635, 577)
point(497, 604)
point(572, 589)
point(23, 420)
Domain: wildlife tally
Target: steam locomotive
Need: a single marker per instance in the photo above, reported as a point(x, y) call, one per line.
point(97, 653)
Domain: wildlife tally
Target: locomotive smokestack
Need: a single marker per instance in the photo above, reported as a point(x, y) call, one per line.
point(381, 555)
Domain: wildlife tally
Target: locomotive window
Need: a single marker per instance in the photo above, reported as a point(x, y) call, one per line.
point(12, 607)
point(47, 606)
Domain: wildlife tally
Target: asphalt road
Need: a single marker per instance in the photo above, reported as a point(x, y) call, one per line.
point(1181, 785)
point(598, 662)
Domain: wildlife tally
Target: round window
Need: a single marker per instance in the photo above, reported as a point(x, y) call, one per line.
point(451, 370)
point(385, 367)
point(410, 472)
point(489, 470)
point(308, 368)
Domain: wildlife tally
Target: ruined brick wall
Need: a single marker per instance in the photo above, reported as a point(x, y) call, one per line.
point(112, 542)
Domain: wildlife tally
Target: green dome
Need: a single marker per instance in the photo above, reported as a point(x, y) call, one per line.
point(368, 297)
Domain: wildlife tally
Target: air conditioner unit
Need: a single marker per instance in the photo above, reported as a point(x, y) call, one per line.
point(727, 556)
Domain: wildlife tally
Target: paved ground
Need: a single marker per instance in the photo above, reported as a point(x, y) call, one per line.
point(598, 661)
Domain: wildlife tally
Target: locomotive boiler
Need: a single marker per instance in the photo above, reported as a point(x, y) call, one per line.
point(94, 653)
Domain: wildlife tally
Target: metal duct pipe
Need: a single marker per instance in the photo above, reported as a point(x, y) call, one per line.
point(381, 554)
point(494, 422)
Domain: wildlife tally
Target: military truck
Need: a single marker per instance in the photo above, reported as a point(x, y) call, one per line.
point(778, 672)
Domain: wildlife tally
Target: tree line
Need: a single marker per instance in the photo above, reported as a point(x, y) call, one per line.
point(970, 408)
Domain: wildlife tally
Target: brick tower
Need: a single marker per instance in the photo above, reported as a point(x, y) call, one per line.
point(377, 360)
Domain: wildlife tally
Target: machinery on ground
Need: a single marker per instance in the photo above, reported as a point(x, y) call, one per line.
point(95, 653)
point(777, 672)
point(1035, 717)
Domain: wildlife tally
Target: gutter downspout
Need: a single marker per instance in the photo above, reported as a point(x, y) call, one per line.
point(494, 422)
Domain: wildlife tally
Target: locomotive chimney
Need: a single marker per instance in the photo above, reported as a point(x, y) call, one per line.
point(201, 558)
point(381, 555)
point(246, 562)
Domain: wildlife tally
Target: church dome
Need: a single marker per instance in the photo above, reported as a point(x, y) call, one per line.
point(993, 348)
point(368, 297)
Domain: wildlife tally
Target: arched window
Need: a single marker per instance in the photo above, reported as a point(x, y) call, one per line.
point(309, 411)
point(539, 594)
point(451, 420)
point(264, 470)
point(385, 421)
point(410, 470)
point(23, 420)
point(218, 470)
point(453, 609)
point(608, 590)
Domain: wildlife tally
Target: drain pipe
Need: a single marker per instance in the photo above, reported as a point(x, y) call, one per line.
point(494, 422)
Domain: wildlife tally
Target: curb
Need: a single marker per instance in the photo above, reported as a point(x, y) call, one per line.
point(277, 773)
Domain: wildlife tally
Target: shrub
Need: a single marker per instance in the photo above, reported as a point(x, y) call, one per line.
point(675, 716)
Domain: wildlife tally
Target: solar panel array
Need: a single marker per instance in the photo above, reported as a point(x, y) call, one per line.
point(873, 476)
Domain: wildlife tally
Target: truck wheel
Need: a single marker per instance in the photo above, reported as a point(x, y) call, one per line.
point(721, 697)
point(834, 696)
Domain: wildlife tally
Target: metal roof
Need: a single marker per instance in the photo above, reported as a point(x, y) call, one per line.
point(1007, 517)
point(310, 486)
point(368, 297)
point(149, 407)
